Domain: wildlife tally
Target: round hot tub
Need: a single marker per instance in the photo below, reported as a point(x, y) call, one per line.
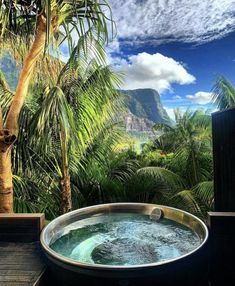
point(126, 244)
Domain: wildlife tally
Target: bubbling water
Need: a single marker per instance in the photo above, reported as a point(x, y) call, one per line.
point(125, 239)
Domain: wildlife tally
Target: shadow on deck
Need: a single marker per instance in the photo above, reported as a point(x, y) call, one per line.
point(21, 259)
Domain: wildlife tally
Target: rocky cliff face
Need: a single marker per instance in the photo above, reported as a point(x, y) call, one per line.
point(133, 123)
point(145, 109)
point(146, 103)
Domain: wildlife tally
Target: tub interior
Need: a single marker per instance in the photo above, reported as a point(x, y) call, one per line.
point(125, 239)
point(123, 235)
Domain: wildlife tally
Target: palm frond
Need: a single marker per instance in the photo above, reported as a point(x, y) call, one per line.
point(205, 192)
point(223, 94)
point(162, 127)
point(186, 200)
point(6, 94)
point(170, 179)
point(20, 17)
point(54, 115)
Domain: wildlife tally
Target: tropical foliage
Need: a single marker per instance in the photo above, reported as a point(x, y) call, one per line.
point(62, 119)
point(60, 134)
point(224, 93)
point(31, 29)
point(183, 162)
point(70, 125)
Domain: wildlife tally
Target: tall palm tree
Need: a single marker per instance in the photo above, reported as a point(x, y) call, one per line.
point(74, 107)
point(191, 143)
point(42, 25)
point(63, 121)
point(35, 188)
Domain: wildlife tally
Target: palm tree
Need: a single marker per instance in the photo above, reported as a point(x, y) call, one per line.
point(43, 24)
point(191, 143)
point(74, 107)
point(58, 145)
point(188, 175)
point(223, 94)
point(35, 188)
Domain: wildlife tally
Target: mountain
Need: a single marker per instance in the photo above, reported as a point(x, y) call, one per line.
point(146, 103)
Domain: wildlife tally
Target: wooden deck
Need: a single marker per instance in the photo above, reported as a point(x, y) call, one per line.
point(21, 264)
point(21, 259)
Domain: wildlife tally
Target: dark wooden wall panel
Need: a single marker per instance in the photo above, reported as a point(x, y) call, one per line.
point(21, 227)
point(222, 248)
point(223, 127)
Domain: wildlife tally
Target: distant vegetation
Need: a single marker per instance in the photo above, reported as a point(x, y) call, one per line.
point(33, 31)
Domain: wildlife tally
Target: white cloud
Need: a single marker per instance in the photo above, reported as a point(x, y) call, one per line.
point(113, 46)
point(201, 97)
point(161, 21)
point(152, 71)
point(176, 97)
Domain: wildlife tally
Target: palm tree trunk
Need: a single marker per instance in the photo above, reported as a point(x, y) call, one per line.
point(194, 168)
point(25, 76)
point(8, 136)
point(6, 186)
point(66, 202)
point(66, 199)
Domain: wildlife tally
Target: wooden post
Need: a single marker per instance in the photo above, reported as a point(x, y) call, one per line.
point(21, 227)
point(222, 247)
point(223, 129)
point(222, 221)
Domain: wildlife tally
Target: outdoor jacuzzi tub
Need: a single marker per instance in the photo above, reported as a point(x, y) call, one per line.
point(189, 268)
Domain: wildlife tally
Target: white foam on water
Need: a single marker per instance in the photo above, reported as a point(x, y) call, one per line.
point(126, 239)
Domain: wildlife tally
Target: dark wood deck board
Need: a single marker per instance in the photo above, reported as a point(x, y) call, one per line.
point(15, 284)
point(21, 264)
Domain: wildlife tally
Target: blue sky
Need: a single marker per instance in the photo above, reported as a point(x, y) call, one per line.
point(177, 47)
